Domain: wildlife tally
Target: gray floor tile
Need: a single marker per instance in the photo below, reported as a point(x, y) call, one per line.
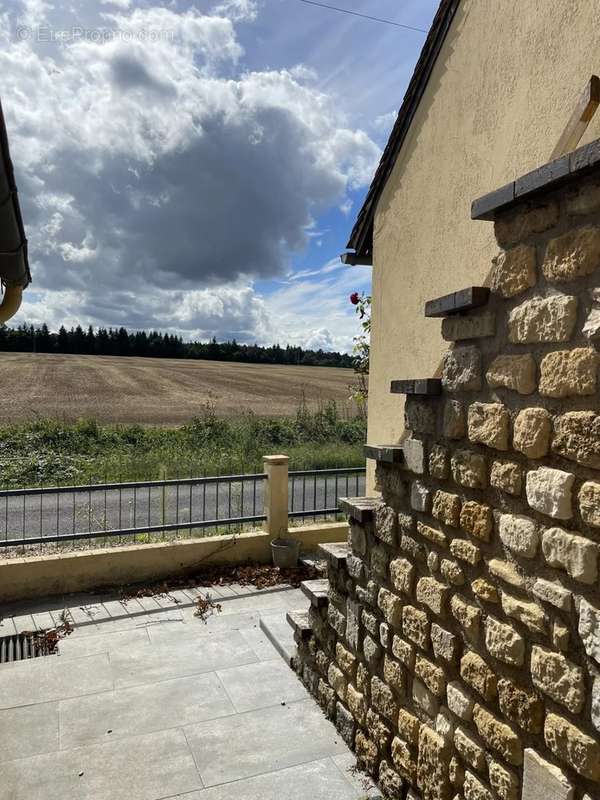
point(131, 622)
point(23, 623)
point(142, 709)
point(267, 683)
point(363, 784)
point(317, 780)
point(76, 645)
point(28, 730)
point(194, 626)
point(259, 642)
point(52, 678)
point(146, 767)
point(261, 741)
point(179, 657)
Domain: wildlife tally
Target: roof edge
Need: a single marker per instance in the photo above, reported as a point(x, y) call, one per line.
point(361, 238)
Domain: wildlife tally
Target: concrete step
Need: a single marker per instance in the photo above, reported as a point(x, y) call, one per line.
point(335, 553)
point(359, 508)
point(278, 631)
point(316, 562)
point(317, 592)
point(458, 302)
point(298, 620)
point(424, 387)
point(388, 453)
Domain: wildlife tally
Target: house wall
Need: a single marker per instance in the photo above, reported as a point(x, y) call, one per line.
point(504, 85)
point(459, 647)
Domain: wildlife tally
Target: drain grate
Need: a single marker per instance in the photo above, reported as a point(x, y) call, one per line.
point(27, 645)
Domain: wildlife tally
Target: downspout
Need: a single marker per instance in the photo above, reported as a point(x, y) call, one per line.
point(14, 264)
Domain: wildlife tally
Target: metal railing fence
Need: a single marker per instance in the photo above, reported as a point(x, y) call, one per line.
point(136, 511)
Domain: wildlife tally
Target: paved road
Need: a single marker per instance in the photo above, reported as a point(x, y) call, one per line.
point(66, 513)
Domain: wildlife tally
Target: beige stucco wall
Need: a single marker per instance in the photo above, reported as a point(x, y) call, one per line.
point(501, 92)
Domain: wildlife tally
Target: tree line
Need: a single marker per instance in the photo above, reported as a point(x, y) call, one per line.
point(121, 342)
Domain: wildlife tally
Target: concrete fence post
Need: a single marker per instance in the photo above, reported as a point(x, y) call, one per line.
point(276, 495)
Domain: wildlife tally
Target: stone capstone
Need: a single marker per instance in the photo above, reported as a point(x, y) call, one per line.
point(461, 369)
point(513, 271)
point(573, 255)
point(549, 319)
point(489, 423)
point(532, 431)
point(544, 781)
point(513, 372)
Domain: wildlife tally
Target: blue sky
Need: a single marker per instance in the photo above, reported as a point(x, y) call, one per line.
point(197, 167)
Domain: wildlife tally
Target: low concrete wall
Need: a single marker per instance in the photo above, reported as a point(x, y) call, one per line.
point(39, 576)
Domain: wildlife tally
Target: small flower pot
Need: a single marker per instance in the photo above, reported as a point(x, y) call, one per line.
point(285, 553)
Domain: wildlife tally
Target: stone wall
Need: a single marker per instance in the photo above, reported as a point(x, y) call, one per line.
point(459, 647)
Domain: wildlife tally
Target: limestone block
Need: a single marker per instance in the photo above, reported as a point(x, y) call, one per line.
point(391, 607)
point(362, 678)
point(498, 735)
point(403, 759)
point(385, 635)
point(415, 625)
point(589, 628)
point(461, 371)
point(572, 746)
point(444, 643)
point(573, 255)
point(485, 590)
point(390, 781)
point(432, 765)
point(433, 561)
point(591, 327)
point(478, 675)
point(465, 551)
point(444, 724)
point(345, 659)
point(404, 652)
point(460, 702)
point(424, 698)
point(469, 469)
point(413, 548)
point(420, 496)
point(432, 676)
point(393, 675)
point(439, 463)
point(469, 749)
point(507, 476)
point(548, 319)
point(358, 538)
point(337, 620)
point(385, 524)
point(370, 621)
point(561, 635)
point(577, 437)
point(372, 652)
point(367, 754)
point(419, 415)
point(379, 560)
point(356, 567)
point(549, 491)
point(455, 420)
point(408, 726)
point(585, 200)
point(569, 373)
point(473, 326)
point(433, 594)
point(356, 703)
point(506, 572)
point(452, 572)
point(402, 575)
point(456, 773)
point(530, 614)
point(474, 789)
point(476, 519)
point(489, 424)
point(558, 677)
point(390, 480)
point(503, 781)
point(467, 614)
point(504, 643)
point(532, 431)
point(326, 697)
point(322, 662)
point(589, 503)
point(433, 534)
point(521, 705)
point(513, 271)
point(553, 593)
point(382, 699)
point(337, 681)
point(378, 730)
point(577, 555)
point(544, 781)
point(520, 534)
point(521, 223)
point(596, 702)
point(513, 372)
point(446, 508)
point(413, 451)
point(344, 722)
point(406, 523)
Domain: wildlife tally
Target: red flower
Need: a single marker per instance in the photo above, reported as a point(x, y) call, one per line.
point(354, 298)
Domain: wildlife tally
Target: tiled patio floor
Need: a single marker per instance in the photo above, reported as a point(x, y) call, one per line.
point(145, 701)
